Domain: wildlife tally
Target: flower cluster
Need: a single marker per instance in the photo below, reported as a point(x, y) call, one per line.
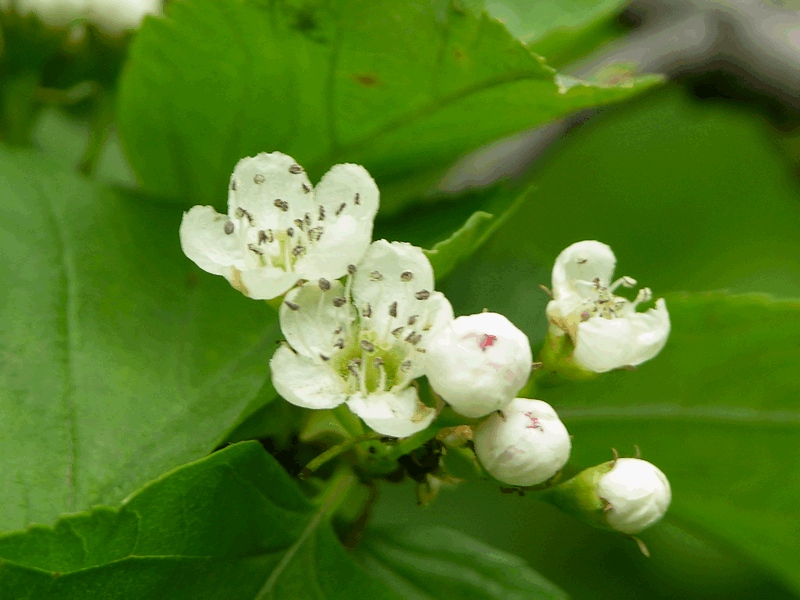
point(110, 16)
point(363, 324)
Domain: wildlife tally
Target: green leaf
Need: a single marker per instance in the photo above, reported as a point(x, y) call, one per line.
point(428, 563)
point(454, 230)
point(665, 182)
point(120, 359)
point(234, 525)
point(404, 89)
point(717, 411)
point(560, 30)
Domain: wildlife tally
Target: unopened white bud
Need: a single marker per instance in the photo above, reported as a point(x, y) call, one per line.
point(525, 445)
point(637, 495)
point(479, 363)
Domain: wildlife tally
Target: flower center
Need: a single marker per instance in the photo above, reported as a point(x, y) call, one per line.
point(279, 247)
point(600, 301)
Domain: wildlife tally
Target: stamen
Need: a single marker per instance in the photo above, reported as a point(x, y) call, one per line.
point(375, 276)
point(412, 319)
point(299, 223)
point(422, 295)
point(339, 344)
point(255, 249)
point(295, 169)
point(233, 185)
point(315, 234)
point(338, 330)
point(644, 295)
point(341, 208)
point(413, 338)
point(228, 227)
point(306, 189)
point(282, 204)
point(325, 358)
point(351, 269)
point(367, 346)
point(367, 311)
point(406, 276)
point(299, 250)
point(240, 212)
point(301, 282)
point(307, 220)
point(258, 178)
point(624, 281)
point(290, 232)
point(324, 284)
point(321, 213)
point(398, 331)
point(339, 301)
point(393, 309)
point(357, 199)
point(292, 305)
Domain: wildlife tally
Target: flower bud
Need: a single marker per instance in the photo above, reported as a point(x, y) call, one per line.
point(637, 494)
point(525, 445)
point(625, 495)
point(479, 363)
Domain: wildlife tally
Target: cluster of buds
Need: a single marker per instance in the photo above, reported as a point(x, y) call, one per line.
point(363, 324)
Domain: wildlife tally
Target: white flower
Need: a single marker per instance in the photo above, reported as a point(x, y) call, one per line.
point(479, 363)
point(525, 445)
point(366, 352)
point(279, 230)
point(111, 16)
point(606, 330)
point(637, 493)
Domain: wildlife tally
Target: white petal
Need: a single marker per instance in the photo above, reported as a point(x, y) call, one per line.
point(396, 414)
point(352, 186)
point(115, 16)
point(314, 326)
point(607, 344)
point(336, 249)
point(204, 241)
point(304, 381)
point(583, 261)
point(527, 445)
point(263, 283)
point(391, 273)
point(259, 181)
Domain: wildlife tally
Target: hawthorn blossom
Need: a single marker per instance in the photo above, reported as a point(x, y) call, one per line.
point(110, 16)
point(636, 493)
point(479, 363)
point(606, 330)
point(279, 229)
point(524, 444)
point(363, 342)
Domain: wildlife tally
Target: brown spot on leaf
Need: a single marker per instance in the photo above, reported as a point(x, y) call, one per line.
point(367, 79)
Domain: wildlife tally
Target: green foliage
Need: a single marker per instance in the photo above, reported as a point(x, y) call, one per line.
point(216, 81)
point(120, 359)
point(234, 525)
point(560, 30)
point(428, 563)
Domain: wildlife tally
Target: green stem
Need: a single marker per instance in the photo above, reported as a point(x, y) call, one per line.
point(100, 128)
point(406, 445)
point(335, 451)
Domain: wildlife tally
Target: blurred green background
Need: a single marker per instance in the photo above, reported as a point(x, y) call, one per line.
point(692, 195)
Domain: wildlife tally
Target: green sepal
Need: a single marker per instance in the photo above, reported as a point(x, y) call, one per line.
point(578, 496)
point(558, 366)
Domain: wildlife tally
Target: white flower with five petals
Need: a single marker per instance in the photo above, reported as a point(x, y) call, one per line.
point(279, 229)
point(606, 330)
point(364, 342)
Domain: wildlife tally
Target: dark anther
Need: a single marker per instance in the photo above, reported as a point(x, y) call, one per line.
point(291, 305)
point(228, 227)
point(393, 309)
point(324, 285)
point(258, 178)
point(339, 301)
point(406, 276)
point(422, 295)
point(295, 169)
